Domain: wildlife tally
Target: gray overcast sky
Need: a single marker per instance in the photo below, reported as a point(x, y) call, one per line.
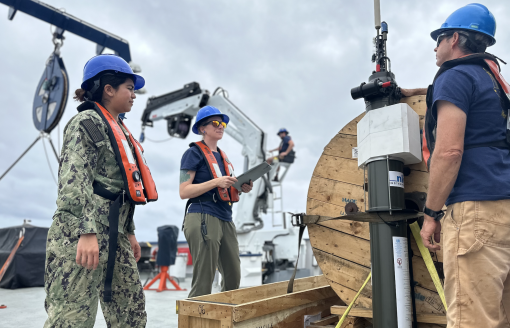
point(286, 63)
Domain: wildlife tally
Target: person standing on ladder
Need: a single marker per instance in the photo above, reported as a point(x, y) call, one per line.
point(286, 153)
point(466, 148)
point(91, 249)
point(206, 180)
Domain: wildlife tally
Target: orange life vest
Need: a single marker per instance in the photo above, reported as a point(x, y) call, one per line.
point(139, 185)
point(215, 171)
point(490, 64)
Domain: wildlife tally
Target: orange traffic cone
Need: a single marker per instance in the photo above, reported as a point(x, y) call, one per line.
point(163, 276)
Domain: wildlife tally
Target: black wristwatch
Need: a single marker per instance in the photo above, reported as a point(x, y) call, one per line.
point(436, 215)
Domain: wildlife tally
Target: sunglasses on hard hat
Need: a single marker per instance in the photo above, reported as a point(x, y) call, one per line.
point(216, 124)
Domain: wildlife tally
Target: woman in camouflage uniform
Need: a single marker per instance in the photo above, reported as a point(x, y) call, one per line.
point(78, 240)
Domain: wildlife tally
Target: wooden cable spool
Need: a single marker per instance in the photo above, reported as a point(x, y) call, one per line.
point(342, 247)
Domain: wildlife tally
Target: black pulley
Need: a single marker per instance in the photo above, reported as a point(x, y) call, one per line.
point(51, 95)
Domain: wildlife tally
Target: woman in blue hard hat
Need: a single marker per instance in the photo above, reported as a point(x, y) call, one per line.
point(206, 180)
point(92, 250)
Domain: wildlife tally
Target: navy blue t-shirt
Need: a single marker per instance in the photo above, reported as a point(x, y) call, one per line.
point(193, 160)
point(485, 171)
point(285, 144)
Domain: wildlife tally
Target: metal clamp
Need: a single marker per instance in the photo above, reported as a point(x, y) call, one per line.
point(297, 219)
point(58, 39)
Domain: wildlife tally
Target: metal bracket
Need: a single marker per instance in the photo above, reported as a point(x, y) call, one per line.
point(12, 13)
point(58, 39)
point(297, 219)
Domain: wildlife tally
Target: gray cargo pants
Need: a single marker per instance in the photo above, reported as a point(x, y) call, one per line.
point(217, 249)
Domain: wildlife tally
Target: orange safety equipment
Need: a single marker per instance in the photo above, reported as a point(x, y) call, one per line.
point(490, 64)
point(215, 171)
point(136, 174)
point(230, 195)
point(138, 183)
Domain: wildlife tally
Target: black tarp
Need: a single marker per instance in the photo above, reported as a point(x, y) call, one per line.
point(167, 245)
point(27, 266)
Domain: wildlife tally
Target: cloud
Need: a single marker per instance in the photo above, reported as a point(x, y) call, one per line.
point(285, 64)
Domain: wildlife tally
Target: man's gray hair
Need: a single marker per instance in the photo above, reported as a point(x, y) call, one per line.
point(473, 42)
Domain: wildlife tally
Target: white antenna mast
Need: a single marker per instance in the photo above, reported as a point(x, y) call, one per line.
point(377, 14)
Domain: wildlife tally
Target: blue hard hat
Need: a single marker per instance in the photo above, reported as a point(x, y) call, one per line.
point(282, 130)
point(108, 62)
point(473, 17)
point(206, 112)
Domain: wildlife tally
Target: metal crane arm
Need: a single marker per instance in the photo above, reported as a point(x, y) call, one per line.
point(67, 22)
point(186, 102)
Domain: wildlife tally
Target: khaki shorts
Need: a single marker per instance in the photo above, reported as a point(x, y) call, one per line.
point(476, 251)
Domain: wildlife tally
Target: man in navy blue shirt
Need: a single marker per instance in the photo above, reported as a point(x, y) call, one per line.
point(466, 138)
point(286, 151)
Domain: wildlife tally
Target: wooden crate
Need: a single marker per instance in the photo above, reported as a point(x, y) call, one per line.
point(266, 306)
point(425, 320)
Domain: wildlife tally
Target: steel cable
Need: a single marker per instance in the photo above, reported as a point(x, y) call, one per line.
point(48, 160)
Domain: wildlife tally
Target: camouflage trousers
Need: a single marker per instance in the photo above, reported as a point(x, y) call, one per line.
point(72, 292)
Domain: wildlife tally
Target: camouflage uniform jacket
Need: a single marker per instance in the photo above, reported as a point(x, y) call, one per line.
point(83, 162)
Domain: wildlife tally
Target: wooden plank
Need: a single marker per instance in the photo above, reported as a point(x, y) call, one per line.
point(428, 301)
point(262, 307)
point(226, 323)
point(340, 244)
point(251, 294)
point(421, 274)
point(183, 321)
point(422, 166)
point(341, 145)
point(358, 229)
point(290, 318)
point(367, 313)
point(354, 323)
point(417, 103)
point(213, 311)
point(330, 186)
point(339, 169)
point(416, 181)
point(349, 322)
point(379, 217)
point(347, 294)
point(336, 192)
point(204, 323)
point(343, 272)
point(430, 325)
point(316, 207)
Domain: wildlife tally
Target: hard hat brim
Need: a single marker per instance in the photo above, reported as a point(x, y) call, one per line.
point(138, 80)
point(434, 34)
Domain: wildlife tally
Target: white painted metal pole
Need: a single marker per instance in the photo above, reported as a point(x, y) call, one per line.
point(402, 282)
point(377, 13)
